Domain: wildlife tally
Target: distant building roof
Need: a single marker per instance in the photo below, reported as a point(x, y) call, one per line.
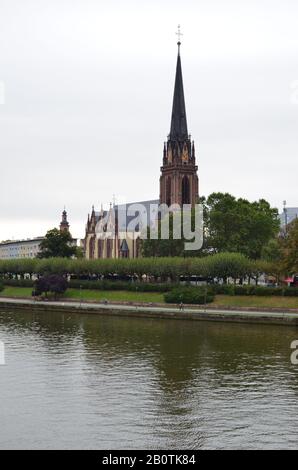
point(27, 240)
point(145, 216)
point(288, 215)
point(132, 216)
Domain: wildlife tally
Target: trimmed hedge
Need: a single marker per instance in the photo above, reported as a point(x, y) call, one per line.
point(231, 289)
point(216, 289)
point(189, 295)
point(121, 285)
point(18, 282)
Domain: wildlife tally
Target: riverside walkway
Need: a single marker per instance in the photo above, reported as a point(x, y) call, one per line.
point(151, 311)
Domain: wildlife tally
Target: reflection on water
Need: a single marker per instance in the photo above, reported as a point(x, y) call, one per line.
point(87, 381)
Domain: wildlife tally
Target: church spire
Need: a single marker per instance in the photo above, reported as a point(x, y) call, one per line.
point(64, 224)
point(178, 123)
point(179, 179)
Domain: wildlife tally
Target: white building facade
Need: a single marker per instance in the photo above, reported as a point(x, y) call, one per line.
point(16, 249)
point(288, 215)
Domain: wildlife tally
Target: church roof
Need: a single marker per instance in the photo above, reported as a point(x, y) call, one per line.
point(146, 213)
point(143, 213)
point(178, 123)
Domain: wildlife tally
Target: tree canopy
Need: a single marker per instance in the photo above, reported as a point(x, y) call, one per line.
point(230, 225)
point(57, 244)
point(237, 225)
point(290, 248)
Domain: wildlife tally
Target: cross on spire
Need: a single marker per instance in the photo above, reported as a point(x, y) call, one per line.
point(178, 122)
point(179, 34)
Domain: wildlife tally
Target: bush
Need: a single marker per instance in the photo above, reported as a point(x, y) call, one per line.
point(189, 295)
point(232, 289)
point(223, 289)
point(52, 283)
point(291, 291)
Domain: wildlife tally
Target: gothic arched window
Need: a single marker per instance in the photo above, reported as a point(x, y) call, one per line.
point(185, 190)
point(100, 248)
point(109, 247)
point(91, 248)
point(168, 191)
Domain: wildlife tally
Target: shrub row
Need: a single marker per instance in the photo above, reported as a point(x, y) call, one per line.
point(189, 295)
point(216, 289)
point(222, 266)
point(203, 295)
point(230, 289)
point(18, 282)
point(121, 285)
point(101, 285)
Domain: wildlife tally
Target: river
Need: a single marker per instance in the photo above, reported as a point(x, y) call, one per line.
point(99, 382)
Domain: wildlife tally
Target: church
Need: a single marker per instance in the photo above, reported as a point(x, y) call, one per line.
point(108, 233)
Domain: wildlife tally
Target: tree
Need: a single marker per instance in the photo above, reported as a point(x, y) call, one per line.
point(290, 248)
point(272, 251)
point(230, 225)
point(237, 225)
point(172, 246)
point(57, 244)
point(52, 283)
point(154, 245)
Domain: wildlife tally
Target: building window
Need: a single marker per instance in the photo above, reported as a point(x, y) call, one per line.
point(168, 191)
point(185, 190)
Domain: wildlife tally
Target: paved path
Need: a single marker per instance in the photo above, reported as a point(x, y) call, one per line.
point(165, 310)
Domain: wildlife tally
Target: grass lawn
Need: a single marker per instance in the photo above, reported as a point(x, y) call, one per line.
point(16, 292)
point(114, 295)
point(255, 301)
point(99, 295)
point(128, 296)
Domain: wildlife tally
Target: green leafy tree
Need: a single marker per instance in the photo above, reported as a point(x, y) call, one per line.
point(237, 225)
point(156, 245)
point(57, 244)
point(290, 249)
point(272, 251)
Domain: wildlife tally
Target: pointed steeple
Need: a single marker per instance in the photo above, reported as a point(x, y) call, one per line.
point(179, 183)
point(178, 122)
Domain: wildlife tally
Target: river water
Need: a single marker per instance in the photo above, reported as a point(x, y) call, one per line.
point(98, 382)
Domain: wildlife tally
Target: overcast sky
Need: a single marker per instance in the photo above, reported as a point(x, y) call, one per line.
point(88, 88)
